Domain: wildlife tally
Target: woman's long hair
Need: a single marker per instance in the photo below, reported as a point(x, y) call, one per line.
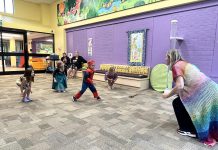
point(174, 56)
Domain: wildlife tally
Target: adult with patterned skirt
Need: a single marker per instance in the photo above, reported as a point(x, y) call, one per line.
point(196, 107)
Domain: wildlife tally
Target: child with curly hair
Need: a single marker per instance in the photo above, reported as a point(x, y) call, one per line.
point(25, 83)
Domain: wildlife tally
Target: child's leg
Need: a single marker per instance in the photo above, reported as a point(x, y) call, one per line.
point(80, 93)
point(24, 95)
point(94, 91)
point(110, 84)
point(74, 73)
point(28, 92)
point(69, 72)
point(21, 90)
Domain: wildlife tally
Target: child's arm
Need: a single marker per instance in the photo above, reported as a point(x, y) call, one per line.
point(86, 77)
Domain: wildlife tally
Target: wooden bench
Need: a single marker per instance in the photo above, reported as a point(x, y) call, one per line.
point(135, 76)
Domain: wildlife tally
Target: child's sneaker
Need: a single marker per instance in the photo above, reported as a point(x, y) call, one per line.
point(210, 142)
point(98, 98)
point(74, 99)
point(25, 100)
point(29, 99)
point(186, 133)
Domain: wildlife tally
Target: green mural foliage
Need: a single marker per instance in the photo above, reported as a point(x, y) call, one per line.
point(70, 11)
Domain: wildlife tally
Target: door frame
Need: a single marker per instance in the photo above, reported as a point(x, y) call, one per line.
point(25, 54)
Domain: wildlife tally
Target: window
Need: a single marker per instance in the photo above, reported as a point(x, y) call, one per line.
point(7, 6)
point(2, 6)
point(40, 43)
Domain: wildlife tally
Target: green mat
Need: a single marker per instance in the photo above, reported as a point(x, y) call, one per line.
point(158, 78)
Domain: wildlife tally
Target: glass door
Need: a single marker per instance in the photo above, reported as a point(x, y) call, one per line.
point(40, 46)
point(13, 51)
point(1, 57)
point(21, 48)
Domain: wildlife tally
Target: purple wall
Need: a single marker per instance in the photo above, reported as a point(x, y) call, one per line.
point(197, 24)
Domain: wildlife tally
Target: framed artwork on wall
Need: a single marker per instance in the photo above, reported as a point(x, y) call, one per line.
point(136, 47)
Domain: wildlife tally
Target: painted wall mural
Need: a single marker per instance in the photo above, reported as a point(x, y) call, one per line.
point(69, 11)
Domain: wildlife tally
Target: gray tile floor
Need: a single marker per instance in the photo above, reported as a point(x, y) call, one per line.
point(52, 121)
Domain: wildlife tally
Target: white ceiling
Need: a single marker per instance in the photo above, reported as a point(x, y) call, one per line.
point(41, 1)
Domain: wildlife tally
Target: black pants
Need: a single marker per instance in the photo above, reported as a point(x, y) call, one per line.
point(183, 118)
point(65, 69)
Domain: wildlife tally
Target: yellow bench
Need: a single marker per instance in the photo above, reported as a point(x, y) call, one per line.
point(135, 70)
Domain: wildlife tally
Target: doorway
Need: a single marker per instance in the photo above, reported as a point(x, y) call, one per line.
point(20, 49)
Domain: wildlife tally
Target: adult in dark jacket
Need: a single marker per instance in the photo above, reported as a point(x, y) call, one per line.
point(66, 60)
point(77, 62)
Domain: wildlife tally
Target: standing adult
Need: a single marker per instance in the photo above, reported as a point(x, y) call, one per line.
point(76, 64)
point(66, 60)
point(196, 107)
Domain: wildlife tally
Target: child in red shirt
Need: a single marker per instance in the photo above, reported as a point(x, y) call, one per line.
point(88, 82)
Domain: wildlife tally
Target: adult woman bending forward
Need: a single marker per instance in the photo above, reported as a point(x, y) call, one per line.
point(196, 107)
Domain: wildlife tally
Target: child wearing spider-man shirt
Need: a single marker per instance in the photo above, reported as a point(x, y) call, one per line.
point(88, 82)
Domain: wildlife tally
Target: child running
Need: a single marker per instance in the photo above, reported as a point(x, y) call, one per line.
point(88, 82)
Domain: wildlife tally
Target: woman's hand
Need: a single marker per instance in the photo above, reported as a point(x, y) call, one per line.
point(166, 93)
point(178, 87)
